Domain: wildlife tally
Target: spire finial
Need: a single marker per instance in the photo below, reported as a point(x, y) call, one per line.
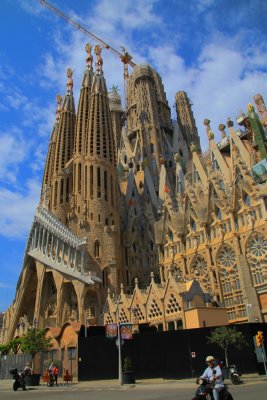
point(121, 288)
point(209, 131)
point(136, 283)
point(230, 123)
point(99, 61)
point(222, 130)
point(70, 80)
point(152, 276)
point(89, 58)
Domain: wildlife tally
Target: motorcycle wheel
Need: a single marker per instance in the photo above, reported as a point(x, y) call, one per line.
point(15, 386)
point(235, 380)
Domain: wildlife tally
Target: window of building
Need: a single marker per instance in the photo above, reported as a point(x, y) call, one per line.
point(97, 249)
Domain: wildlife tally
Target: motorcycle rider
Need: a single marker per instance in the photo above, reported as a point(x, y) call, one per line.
point(213, 374)
point(27, 370)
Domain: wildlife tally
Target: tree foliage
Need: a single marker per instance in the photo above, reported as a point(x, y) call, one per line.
point(15, 345)
point(35, 341)
point(225, 337)
point(4, 349)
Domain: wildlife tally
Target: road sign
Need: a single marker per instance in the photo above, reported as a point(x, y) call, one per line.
point(193, 354)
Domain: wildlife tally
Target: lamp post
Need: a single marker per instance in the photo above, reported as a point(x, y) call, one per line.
point(85, 323)
point(118, 302)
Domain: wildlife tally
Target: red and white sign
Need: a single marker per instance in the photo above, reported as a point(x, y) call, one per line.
point(193, 354)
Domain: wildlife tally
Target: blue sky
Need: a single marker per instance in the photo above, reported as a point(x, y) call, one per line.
point(215, 50)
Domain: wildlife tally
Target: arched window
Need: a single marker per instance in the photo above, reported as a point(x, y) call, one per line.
point(55, 194)
point(256, 252)
point(230, 283)
point(247, 199)
point(97, 249)
point(193, 225)
point(219, 213)
point(105, 277)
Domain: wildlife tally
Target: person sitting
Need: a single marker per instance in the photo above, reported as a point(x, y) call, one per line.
point(46, 376)
point(67, 377)
point(213, 374)
point(27, 370)
point(51, 374)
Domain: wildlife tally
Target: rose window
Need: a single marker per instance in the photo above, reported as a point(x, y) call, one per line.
point(226, 257)
point(257, 257)
point(199, 267)
point(199, 270)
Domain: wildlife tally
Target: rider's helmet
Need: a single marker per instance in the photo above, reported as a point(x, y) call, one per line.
point(210, 360)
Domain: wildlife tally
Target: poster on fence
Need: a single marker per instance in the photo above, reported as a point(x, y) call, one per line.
point(126, 331)
point(111, 330)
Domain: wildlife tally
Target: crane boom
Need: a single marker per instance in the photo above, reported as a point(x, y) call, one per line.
point(125, 57)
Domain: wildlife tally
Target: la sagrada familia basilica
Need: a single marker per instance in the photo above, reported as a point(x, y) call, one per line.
point(135, 223)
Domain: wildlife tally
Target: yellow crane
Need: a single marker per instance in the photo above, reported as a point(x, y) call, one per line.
point(125, 57)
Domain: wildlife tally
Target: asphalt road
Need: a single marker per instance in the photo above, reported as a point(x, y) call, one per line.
point(165, 391)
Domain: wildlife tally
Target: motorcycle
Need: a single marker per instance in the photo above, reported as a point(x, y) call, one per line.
point(204, 391)
point(19, 381)
point(234, 375)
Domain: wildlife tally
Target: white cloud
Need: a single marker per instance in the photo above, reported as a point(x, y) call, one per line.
point(16, 100)
point(203, 5)
point(222, 81)
point(13, 151)
point(17, 209)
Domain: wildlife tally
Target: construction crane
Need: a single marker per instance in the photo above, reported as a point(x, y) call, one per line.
point(125, 57)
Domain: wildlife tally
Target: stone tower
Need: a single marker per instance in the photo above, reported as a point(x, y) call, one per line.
point(148, 118)
point(57, 180)
point(78, 205)
point(100, 180)
point(186, 120)
point(116, 114)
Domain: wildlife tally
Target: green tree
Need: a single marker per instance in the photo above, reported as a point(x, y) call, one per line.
point(15, 345)
point(225, 337)
point(4, 349)
point(34, 342)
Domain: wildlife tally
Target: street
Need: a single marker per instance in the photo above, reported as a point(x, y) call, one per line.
point(254, 390)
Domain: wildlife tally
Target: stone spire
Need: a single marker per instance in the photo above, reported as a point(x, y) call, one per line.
point(48, 170)
point(61, 182)
point(100, 142)
point(81, 137)
point(83, 106)
point(186, 120)
point(101, 191)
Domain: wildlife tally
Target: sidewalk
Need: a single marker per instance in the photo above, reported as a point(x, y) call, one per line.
point(143, 383)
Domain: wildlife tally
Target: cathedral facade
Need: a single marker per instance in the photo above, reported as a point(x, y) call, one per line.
point(136, 224)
